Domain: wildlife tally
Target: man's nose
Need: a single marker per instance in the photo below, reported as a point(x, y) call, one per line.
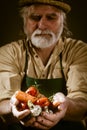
point(43, 24)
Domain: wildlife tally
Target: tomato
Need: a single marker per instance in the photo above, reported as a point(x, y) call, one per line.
point(43, 101)
point(22, 106)
point(32, 91)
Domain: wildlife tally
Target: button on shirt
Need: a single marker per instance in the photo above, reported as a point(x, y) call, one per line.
point(74, 62)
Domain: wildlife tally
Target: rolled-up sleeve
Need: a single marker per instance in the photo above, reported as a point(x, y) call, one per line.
point(77, 69)
point(10, 71)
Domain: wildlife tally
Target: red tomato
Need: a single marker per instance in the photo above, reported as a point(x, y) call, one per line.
point(43, 101)
point(22, 106)
point(32, 91)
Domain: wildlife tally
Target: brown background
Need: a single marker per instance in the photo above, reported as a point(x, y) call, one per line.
point(10, 22)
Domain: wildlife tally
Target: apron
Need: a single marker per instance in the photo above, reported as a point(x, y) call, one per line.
point(48, 87)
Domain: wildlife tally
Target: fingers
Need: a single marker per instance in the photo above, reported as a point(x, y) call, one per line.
point(28, 121)
point(40, 126)
point(20, 114)
point(46, 121)
point(57, 116)
point(43, 123)
point(14, 100)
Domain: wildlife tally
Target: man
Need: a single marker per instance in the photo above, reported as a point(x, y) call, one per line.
point(46, 57)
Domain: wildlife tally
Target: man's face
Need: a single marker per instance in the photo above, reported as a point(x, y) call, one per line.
point(43, 25)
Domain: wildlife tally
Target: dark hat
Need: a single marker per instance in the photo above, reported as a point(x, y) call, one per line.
point(62, 4)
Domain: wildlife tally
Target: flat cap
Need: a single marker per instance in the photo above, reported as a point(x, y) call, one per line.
point(62, 4)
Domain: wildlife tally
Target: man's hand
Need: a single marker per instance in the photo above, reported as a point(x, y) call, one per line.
point(22, 116)
point(48, 120)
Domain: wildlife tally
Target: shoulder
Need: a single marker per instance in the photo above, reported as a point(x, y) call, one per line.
point(13, 46)
point(69, 42)
point(13, 51)
point(74, 51)
point(17, 43)
point(74, 46)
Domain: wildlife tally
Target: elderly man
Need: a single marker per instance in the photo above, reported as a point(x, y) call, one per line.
point(49, 58)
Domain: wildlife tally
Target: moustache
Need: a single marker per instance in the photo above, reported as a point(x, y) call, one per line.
point(42, 33)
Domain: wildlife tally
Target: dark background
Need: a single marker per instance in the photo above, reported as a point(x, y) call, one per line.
point(10, 22)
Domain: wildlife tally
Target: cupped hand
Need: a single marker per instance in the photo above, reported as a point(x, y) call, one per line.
point(23, 116)
point(48, 120)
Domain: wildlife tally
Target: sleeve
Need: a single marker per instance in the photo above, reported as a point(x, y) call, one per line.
point(10, 78)
point(77, 71)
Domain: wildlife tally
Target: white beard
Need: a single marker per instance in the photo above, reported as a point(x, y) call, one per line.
point(44, 39)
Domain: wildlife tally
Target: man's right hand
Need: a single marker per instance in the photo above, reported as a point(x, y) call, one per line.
point(23, 116)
